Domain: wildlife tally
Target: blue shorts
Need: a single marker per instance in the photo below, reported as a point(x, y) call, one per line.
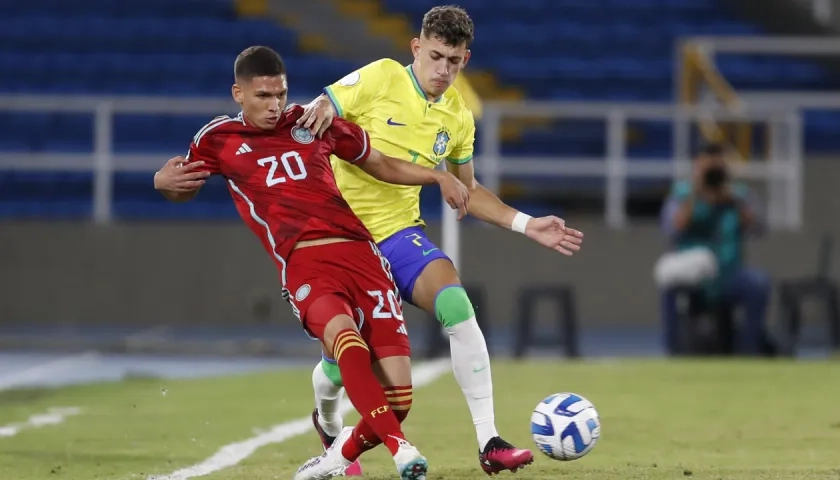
point(409, 251)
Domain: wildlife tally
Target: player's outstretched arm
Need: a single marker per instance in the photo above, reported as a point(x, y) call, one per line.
point(393, 170)
point(179, 181)
point(550, 231)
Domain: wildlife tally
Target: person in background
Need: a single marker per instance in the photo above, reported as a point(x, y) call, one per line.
point(712, 212)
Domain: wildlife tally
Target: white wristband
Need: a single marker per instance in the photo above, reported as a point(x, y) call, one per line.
point(520, 221)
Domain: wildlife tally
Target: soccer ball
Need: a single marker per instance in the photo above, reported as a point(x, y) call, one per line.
point(565, 426)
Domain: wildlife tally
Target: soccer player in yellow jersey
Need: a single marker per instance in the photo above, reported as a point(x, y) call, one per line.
point(412, 113)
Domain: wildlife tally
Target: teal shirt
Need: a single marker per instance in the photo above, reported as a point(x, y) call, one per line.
point(717, 228)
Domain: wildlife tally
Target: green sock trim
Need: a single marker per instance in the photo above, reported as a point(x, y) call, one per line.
point(332, 372)
point(453, 306)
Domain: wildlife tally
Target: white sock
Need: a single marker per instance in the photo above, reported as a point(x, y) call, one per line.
point(471, 364)
point(327, 398)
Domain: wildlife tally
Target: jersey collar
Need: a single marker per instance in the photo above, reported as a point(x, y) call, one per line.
point(410, 70)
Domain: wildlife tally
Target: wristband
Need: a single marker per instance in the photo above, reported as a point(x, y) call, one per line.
point(520, 221)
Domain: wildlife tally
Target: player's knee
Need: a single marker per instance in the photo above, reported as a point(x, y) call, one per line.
point(331, 370)
point(328, 316)
point(399, 397)
point(453, 306)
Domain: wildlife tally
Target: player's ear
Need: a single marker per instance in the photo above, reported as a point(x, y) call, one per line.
point(236, 92)
point(467, 56)
point(415, 47)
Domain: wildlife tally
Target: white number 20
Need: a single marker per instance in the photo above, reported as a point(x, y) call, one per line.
point(380, 310)
point(272, 180)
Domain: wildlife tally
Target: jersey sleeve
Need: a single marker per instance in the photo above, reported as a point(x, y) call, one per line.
point(462, 152)
point(349, 141)
point(352, 94)
point(205, 146)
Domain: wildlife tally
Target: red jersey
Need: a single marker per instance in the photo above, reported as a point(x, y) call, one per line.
point(281, 180)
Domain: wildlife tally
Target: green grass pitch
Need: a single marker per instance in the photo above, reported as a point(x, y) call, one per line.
point(704, 420)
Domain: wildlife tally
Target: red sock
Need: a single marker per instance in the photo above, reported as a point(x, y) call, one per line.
point(361, 440)
point(399, 396)
point(363, 437)
point(353, 358)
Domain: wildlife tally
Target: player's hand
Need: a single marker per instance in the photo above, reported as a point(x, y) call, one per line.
point(178, 175)
point(553, 233)
point(455, 193)
point(317, 115)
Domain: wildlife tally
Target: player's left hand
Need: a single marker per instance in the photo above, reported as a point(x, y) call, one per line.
point(553, 233)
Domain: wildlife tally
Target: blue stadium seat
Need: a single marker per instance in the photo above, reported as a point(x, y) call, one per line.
point(619, 50)
point(132, 47)
point(613, 50)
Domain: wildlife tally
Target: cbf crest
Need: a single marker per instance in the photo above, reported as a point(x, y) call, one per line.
point(302, 135)
point(441, 142)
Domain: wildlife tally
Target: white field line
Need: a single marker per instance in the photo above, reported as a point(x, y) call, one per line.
point(53, 416)
point(233, 453)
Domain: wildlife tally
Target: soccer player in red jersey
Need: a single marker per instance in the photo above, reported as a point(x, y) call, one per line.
point(339, 284)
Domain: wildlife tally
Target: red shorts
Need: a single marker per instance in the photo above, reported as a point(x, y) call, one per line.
point(357, 280)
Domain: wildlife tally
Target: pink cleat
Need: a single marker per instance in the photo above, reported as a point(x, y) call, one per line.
point(499, 455)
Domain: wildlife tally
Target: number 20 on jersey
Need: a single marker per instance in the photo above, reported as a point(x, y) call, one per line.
point(292, 164)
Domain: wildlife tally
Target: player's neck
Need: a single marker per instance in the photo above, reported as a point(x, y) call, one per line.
point(425, 93)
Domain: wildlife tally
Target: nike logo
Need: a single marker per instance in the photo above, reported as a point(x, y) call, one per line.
point(396, 124)
point(426, 252)
point(476, 370)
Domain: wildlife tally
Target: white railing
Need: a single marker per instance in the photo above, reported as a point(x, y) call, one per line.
point(783, 46)
point(103, 161)
point(782, 170)
point(808, 46)
point(799, 46)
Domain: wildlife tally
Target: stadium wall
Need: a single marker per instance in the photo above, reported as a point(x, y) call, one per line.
point(217, 273)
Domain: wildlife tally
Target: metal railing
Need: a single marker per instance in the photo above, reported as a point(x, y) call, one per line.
point(782, 170)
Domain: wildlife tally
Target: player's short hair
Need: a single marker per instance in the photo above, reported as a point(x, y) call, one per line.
point(258, 61)
point(449, 23)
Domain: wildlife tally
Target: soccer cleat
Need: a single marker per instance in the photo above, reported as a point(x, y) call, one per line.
point(330, 464)
point(411, 465)
point(499, 455)
point(355, 468)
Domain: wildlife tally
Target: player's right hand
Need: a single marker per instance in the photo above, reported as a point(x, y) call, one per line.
point(178, 175)
point(317, 115)
point(455, 193)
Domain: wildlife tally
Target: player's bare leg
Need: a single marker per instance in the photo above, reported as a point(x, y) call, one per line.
point(438, 290)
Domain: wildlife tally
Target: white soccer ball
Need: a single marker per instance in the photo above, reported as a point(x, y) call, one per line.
point(565, 426)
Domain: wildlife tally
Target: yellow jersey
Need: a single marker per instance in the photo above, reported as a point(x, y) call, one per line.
point(385, 99)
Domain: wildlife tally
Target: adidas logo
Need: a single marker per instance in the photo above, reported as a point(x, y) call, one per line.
point(402, 330)
point(244, 149)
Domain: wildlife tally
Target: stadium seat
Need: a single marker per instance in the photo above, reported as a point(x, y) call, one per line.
point(552, 49)
point(150, 47)
point(574, 50)
point(563, 297)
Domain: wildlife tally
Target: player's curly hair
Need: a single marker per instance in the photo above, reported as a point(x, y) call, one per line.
point(258, 61)
point(449, 23)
